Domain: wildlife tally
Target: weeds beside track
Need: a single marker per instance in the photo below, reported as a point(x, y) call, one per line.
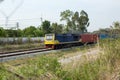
point(46, 67)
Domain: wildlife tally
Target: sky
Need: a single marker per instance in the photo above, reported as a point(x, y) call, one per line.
point(101, 13)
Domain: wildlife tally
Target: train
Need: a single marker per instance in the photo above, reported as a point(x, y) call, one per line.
point(58, 41)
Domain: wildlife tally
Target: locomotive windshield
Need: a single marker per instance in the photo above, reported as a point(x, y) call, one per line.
point(49, 36)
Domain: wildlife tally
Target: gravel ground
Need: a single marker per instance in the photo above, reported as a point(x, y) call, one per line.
point(91, 53)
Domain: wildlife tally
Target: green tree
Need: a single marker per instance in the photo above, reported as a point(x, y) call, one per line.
point(2, 32)
point(29, 31)
point(46, 27)
point(66, 16)
point(19, 33)
point(83, 21)
point(116, 25)
point(38, 32)
point(76, 22)
point(11, 33)
point(57, 28)
point(80, 21)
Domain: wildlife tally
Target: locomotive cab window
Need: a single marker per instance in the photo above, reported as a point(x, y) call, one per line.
point(49, 37)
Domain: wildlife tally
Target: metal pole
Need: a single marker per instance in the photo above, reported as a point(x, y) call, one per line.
point(7, 17)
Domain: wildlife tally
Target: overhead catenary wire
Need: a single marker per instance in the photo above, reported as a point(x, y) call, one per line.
point(23, 22)
point(7, 17)
point(23, 19)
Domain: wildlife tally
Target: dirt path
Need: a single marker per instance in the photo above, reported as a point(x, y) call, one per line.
point(91, 53)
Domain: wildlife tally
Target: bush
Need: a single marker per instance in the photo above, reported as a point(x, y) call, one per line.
point(41, 66)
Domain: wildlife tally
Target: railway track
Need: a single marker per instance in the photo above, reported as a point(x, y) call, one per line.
point(6, 56)
point(7, 52)
point(22, 52)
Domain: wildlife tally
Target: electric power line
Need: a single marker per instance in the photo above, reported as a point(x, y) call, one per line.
point(8, 16)
point(23, 19)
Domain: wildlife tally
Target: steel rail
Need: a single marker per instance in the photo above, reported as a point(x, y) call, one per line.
point(9, 54)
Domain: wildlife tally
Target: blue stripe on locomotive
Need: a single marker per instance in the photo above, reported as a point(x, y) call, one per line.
point(65, 37)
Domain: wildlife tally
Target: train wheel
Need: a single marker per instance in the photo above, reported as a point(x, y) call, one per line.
point(53, 46)
point(46, 46)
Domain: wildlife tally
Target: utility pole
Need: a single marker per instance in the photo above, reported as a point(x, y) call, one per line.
point(7, 17)
point(17, 25)
point(41, 19)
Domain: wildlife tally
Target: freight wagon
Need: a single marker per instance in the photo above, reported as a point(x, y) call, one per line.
point(103, 36)
point(89, 38)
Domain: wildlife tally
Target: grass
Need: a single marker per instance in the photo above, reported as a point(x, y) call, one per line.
point(40, 67)
point(37, 68)
point(6, 75)
point(105, 67)
point(46, 67)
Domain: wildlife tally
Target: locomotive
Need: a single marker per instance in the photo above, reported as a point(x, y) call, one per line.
point(56, 41)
